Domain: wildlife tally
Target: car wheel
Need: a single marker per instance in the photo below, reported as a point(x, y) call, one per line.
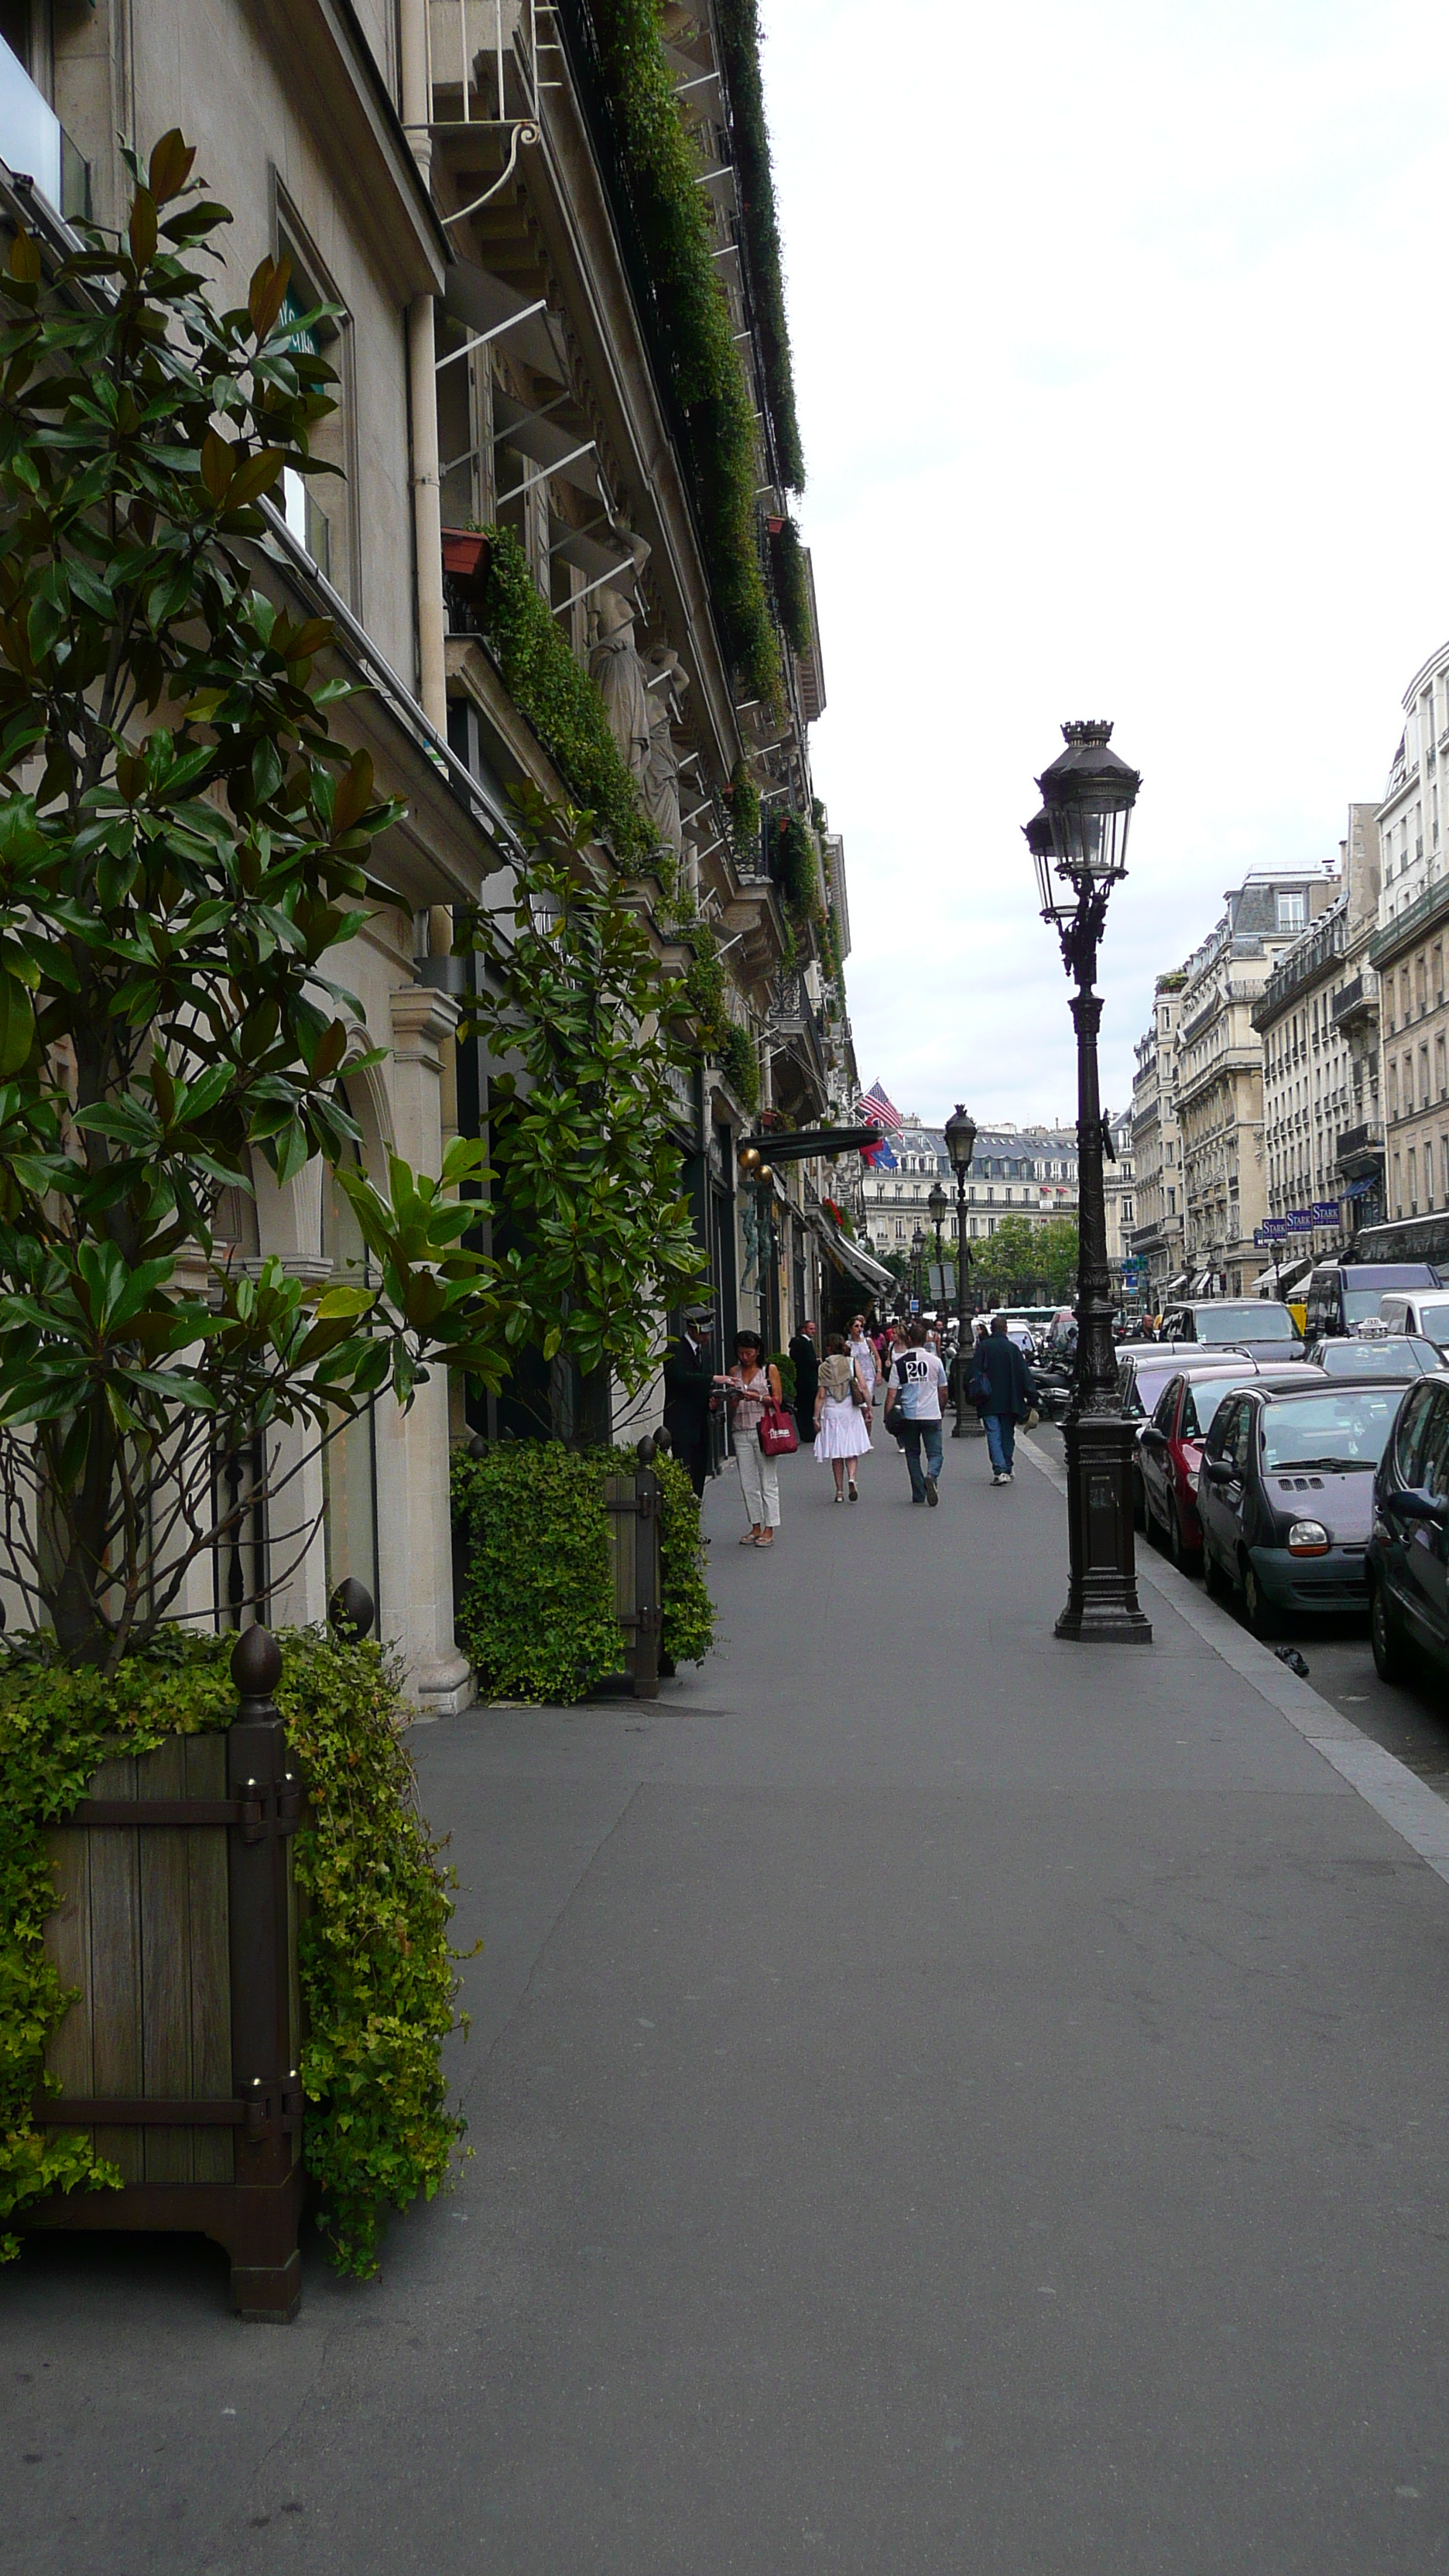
point(1258, 1612)
point(1214, 1579)
point(1387, 1638)
point(1183, 1556)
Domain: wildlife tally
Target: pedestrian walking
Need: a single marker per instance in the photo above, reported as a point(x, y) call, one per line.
point(842, 1422)
point(748, 1388)
point(806, 1356)
point(860, 1350)
point(689, 1396)
point(1005, 1394)
point(914, 1389)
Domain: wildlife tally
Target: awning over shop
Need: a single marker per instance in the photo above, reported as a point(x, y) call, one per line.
point(850, 1257)
point(1271, 1283)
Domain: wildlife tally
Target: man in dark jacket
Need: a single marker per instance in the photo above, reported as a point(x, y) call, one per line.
point(807, 1378)
point(1005, 1393)
point(688, 1391)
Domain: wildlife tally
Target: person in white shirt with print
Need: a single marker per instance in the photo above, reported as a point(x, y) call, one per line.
point(916, 1382)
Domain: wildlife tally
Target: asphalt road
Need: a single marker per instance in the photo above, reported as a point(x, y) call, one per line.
point(943, 2101)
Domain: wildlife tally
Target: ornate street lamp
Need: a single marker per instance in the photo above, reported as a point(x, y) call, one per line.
point(1079, 843)
point(961, 1145)
point(938, 1203)
point(918, 1246)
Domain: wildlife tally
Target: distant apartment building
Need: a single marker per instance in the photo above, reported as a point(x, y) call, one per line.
point(1318, 1020)
point(1026, 1172)
point(1220, 1074)
point(1407, 957)
point(1156, 1240)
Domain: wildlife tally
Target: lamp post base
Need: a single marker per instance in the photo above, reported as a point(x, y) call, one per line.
point(1102, 1604)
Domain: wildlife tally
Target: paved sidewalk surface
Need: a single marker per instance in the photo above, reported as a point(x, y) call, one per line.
point(942, 2101)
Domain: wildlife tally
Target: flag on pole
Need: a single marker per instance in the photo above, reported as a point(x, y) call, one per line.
point(877, 1106)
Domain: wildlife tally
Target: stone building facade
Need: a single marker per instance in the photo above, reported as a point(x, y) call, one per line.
point(1156, 1240)
point(1316, 1020)
point(1220, 1075)
point(452, 180)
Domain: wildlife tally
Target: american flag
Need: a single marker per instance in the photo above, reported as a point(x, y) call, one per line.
point(876, 1108)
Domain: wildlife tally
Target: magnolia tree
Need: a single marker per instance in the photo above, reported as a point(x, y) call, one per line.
point(182, 844)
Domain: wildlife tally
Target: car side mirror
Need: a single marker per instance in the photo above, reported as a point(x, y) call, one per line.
point(1219, 1471)
point(1413, 1505)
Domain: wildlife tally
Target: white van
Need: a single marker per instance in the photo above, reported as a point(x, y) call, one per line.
point(1417, 1310)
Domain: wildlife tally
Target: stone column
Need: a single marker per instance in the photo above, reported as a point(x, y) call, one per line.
point(413, 1527)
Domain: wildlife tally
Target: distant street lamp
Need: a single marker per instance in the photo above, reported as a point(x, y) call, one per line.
point(961, 1145)
point(1079, 843)
point(918, 1246)
point(938, 1204)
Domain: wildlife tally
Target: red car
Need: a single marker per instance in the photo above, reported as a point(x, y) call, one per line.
point(1169, 1447)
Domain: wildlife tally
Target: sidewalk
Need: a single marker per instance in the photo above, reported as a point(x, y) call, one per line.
point(942, 2101)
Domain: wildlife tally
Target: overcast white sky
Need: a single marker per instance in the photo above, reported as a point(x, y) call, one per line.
point(1120, 341)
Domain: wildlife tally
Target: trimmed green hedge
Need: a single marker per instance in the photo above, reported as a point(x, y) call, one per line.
point(553, 690)
point(696, 337)
point(536, 1601)
point(740, 1061)
point(376, 1973)
point(800, 868)
point(743, 799)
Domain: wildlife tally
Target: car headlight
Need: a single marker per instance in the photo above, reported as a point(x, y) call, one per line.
point(1308, 1538)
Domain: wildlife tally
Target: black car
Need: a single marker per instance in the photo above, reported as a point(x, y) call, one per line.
point(1286, 1496)
point(1255, 1324)
point(1408, 1550)
point(1341, 1294)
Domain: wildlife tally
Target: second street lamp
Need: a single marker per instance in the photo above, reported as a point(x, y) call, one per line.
point(918, 1246)
point(961, 1145)
point(937, 1203)
point(1079, 843)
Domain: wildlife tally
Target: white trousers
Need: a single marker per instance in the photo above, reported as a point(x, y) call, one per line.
point(759, 1481)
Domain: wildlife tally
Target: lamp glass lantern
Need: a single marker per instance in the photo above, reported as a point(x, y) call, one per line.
point(938, 1204)
point(1080, 835)
point(961, 1137)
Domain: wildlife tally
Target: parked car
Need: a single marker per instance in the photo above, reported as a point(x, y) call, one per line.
point(1285, 1496)
point(1399, 1355)
point(1244, 1323)
point(1142, 1375)
point(1408, 1549)
point(1170, 1445)
point(1417, 1310)
point(1341, 1294)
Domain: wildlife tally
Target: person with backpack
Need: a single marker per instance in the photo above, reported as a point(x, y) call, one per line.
point(1004, 1393)
point(914, 1389)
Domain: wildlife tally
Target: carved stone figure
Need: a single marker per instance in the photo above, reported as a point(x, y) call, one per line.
point(618, 675)
point(750, 1220)
point(666, 684)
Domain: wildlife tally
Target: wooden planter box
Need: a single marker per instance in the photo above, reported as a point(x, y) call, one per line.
point(631, 1501)
point(178, 1923)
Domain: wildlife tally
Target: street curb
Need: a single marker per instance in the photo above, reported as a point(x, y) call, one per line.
point(1418, 1815)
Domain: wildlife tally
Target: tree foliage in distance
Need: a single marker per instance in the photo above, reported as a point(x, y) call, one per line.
point(1021, 1261)
point(181, 845)
point(577, 1010)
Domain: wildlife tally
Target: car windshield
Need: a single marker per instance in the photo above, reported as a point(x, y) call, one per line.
point(1401, 1356)
point(1203, 1400)
point(1434, 1318)
point(1360, 1303)
point(1261, 1322)
point(1329, 1431)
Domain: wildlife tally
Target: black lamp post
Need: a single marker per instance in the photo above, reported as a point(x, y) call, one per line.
point(961, 1145)
point(918, 1246)
point(1079, 843)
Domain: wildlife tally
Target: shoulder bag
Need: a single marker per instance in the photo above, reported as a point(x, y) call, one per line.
point(778, 1435)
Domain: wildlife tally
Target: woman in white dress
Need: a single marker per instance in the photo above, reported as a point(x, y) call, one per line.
point(842, 1429)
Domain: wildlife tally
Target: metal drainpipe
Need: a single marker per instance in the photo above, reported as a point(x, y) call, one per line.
point(423, 392)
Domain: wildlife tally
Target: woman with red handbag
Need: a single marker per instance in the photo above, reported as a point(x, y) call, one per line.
point(754, 1397)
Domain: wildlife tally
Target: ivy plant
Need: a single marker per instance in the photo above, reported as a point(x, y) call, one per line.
point(182, 843)
point(547, 683)
point(578, 1014)
point(739, 30)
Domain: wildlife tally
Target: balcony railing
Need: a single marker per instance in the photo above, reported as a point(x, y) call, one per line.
point(33, 140)
point(1354, 1141)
